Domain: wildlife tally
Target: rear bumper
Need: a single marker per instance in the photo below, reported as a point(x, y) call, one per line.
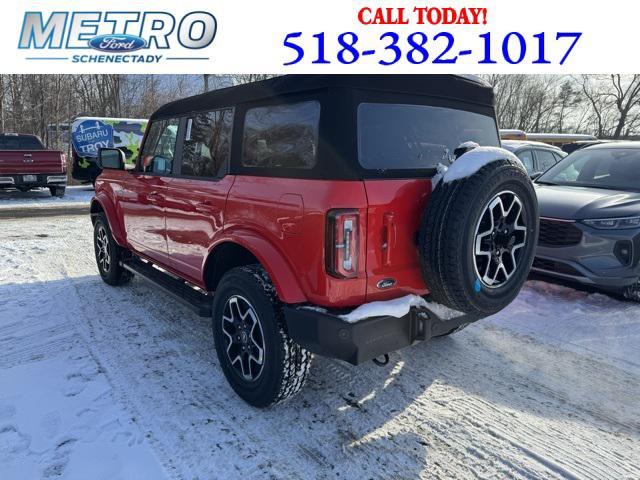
point(40, 180)
point(326, 334)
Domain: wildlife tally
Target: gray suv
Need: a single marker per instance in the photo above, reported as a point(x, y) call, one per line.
point(590, 218)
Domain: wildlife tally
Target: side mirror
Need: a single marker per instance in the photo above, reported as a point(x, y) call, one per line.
point(111, 158)
point(534, 176)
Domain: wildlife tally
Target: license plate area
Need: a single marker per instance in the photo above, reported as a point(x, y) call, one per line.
point(29, 178)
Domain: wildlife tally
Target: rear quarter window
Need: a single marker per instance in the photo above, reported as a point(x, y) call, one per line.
point(281, 136)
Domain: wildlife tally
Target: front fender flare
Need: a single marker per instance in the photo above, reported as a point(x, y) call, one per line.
point(109, 209)
point(274, 262)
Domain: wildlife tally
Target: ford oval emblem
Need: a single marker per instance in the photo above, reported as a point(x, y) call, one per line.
point(386, 283)
point(117, 43)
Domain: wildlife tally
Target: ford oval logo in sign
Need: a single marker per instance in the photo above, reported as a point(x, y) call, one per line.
point(117, 43)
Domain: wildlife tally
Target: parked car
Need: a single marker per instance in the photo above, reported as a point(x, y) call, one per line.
point(89, 134)
point(536, 157)
point(26, 164)
point(590, 218)
point(313, 214)
point(573, 146)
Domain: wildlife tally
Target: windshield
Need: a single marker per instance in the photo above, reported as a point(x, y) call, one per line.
point(614, 168)
point(392, 136)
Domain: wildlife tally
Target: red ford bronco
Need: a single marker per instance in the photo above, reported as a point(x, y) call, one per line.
point(340, 215)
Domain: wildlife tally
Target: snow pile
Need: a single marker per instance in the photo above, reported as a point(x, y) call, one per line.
point(468, 145)
point(445, 313)
point(474, 160)
point(398, 307)
point(470, 162)
point(41, 198)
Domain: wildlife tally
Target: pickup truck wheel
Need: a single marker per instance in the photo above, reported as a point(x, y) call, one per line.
point(632, 292)
point(260, 361)
point(477, 238)
point(57, 191)
point(109, 254)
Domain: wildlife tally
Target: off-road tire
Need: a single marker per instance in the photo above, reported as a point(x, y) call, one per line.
point(113, 274)
point(286, 364)
point(57, 191)
point(447, 235)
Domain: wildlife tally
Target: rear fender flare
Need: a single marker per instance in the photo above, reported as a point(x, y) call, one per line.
point(280, 272)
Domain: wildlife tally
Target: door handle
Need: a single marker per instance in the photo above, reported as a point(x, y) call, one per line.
point(388, 238)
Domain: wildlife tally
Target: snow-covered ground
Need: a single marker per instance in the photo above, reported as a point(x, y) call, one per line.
point(102, 382)
point(41, 198)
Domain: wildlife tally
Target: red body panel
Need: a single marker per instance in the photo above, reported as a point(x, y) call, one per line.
point(178, 222)
point(395, 210)
point(290, 214)
point(195, 217)
point(17, 162)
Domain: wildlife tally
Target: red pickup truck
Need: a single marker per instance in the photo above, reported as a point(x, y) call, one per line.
point(26, 164)
point(335, 215)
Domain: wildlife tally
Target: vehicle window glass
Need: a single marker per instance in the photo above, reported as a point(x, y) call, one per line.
point(615, 168)
point(546, 160)
point(526, 157)
point(207, 143)
point(392, 136)
point(30, 143)
point(159, 147)
point(9, 142)
point(281, 136)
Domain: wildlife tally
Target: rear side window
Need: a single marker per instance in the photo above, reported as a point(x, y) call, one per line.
point(394, 136)
point(207, 144)
point(281, 136)
point(18, 142)
point(546, 160)
point(159, 147)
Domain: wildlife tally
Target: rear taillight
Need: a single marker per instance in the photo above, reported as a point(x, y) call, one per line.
point(63, 159)
point(342, 243)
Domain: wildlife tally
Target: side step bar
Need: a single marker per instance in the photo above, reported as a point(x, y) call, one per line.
point(199, 302)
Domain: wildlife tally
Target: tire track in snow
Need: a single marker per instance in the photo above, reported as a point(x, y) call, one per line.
point(462, 407)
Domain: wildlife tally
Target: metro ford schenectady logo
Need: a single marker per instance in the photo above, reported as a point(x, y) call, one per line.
point(116, 37)
point(117, 43)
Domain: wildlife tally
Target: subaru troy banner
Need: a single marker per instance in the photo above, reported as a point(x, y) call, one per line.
point(89, 136)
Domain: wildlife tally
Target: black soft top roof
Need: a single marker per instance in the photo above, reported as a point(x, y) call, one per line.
point(454, 87)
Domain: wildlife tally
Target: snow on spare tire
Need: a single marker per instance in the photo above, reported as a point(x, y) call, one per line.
point(479, 231)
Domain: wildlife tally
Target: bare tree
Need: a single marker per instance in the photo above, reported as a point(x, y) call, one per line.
point(605, 105)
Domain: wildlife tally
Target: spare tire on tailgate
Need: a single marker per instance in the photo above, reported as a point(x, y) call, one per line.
point(479, 232)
